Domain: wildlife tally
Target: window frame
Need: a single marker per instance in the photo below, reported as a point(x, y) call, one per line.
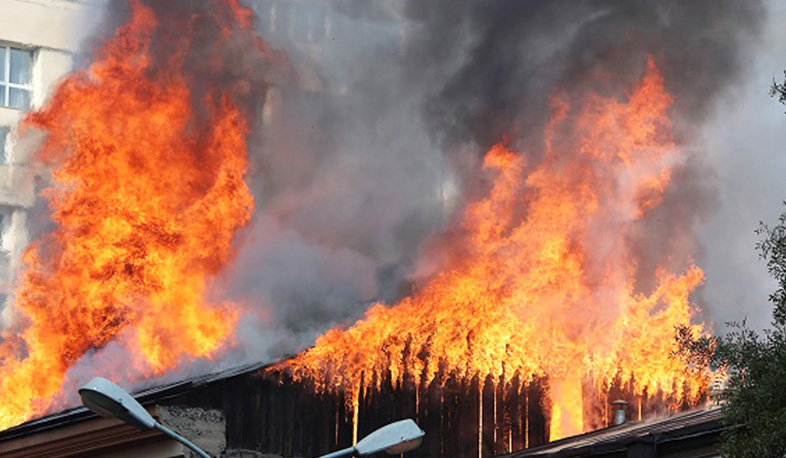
point(5, 78)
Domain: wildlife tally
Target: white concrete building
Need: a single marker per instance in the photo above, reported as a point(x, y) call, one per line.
point(38, 43)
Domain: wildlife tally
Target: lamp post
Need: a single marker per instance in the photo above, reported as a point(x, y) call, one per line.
point(395, 438)
point(110, 401)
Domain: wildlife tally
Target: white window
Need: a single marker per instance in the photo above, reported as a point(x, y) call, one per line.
point(16, 67)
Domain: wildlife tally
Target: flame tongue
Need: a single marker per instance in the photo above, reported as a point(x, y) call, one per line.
point(567, 416)
point(147, 196)
point(551, 291)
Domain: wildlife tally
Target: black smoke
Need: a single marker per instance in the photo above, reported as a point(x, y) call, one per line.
point(395, 98)
point(505, 57)
point(490, 68)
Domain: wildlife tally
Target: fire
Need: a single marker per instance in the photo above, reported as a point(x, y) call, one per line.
point(147, 193)
point(543, 281)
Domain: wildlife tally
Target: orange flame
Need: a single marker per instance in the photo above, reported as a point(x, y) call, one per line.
point(543, 283)
point(147, 195)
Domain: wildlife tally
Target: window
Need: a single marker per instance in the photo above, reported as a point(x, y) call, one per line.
point(15, 77)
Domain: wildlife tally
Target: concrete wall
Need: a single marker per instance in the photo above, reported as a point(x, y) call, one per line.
point(204, 427)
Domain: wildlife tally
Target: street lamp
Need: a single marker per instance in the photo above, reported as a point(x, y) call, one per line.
point(110, 401)
point(395, 438)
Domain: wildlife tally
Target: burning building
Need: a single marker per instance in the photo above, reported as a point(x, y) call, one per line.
point(247, 413)
point(520, 215)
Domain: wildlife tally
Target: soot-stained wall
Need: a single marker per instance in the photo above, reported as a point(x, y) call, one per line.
point(268, 414)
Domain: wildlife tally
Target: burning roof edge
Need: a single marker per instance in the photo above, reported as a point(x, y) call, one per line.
point(693, 425)
point(145, 396)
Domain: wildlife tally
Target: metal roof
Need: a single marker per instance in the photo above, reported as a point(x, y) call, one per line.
point(660, 430)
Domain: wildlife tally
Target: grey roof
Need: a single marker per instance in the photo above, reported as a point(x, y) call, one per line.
point(689, 425)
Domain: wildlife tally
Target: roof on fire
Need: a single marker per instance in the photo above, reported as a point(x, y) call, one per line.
point(146, 396)
point(693, 428)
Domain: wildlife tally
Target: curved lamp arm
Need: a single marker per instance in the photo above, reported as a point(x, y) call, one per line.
point(345, 452)
point(182, 440)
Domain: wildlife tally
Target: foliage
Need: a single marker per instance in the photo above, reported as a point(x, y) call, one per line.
point(755, 396)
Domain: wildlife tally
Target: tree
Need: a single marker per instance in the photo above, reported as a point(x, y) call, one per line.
point(755, 408)
point(755, 396)
point(756, 400)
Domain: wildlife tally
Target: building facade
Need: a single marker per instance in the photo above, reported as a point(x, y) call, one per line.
point(39, 42)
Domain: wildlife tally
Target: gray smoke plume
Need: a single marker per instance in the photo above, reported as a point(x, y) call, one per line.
point(506, 58)
point(395, 102)
point(512, 54)
point(347, 181)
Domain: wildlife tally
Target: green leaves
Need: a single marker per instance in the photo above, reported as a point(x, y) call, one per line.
point(755, 407)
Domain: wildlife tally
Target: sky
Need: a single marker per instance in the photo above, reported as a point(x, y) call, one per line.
point(745, 138)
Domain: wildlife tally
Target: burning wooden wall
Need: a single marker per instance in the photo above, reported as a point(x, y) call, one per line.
point(269, 411)
point(272, 413)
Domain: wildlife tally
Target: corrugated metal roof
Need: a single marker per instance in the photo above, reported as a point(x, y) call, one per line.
point(661, 429)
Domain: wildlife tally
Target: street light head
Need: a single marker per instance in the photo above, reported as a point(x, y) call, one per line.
point(110, 401)
point(395, 438)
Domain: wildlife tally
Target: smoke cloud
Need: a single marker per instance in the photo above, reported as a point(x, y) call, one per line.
point(367, 156)
point(348, 182)
point(512, 55)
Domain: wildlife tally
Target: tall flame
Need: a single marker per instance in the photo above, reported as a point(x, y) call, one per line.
point(543, 283)
point(147, 192)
